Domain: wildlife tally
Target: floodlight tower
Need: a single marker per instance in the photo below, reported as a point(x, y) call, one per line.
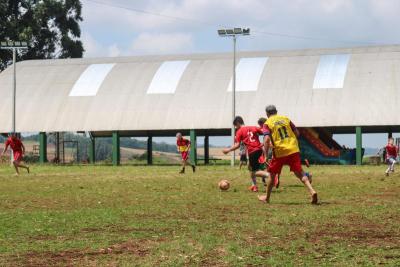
point(14, 46)
point(233, 33)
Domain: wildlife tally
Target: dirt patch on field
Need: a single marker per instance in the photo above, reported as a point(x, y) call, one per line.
point(137, 248)
point(358, 230)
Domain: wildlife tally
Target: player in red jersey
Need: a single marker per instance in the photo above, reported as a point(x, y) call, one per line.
point(183, 147)
point(391, 155)
point(249, 135)
point(18, 149)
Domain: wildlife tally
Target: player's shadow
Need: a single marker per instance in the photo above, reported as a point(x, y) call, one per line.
point(321, 203)
point(294, 185)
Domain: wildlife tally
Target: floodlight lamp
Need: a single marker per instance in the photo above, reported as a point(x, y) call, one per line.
point(246, 31)
point(222, 32)
point(237, 30)
point(230, 32)
point(24, 43)
point(10, 43)
point(17, 43)
point(3, 43)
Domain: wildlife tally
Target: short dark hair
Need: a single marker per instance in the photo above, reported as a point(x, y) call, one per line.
point(271, 110)
point(238, 120)
point(261, 121)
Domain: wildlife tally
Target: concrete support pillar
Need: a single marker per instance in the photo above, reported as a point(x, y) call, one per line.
point(206, 150)
point(92, 150)
point(116, 153)
point(193, 147)
point(42, 147)
point(150, 150)
point(358, 145)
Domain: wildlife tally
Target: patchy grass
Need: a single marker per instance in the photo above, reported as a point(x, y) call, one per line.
point(152, 216)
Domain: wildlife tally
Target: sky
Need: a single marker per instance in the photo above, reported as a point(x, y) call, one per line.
point(142, 27)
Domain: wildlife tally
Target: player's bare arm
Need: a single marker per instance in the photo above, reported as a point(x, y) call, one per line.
point(4, 150)
point(23, 148)
point(267, 144)
point(232, 148)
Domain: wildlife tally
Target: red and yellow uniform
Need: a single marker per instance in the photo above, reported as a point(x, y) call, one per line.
point(285, 144)
point(183, 147)
point(16, 147)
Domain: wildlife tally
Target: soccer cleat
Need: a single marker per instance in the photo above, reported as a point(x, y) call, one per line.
point(182, 171)
point(276, 181)
point(194, 168)
point(253, 188)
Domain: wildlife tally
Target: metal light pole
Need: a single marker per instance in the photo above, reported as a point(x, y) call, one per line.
point(233, 33)
point(14, 87)
point(233, 99)
point(14, 46)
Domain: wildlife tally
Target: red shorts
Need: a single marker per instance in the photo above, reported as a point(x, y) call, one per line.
point(185, 155)
point(293, 161)
point(17, 155)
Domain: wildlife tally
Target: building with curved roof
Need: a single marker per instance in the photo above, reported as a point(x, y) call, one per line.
point(338, 89)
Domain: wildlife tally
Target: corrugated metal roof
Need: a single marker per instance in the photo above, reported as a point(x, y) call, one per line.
point(369, 97)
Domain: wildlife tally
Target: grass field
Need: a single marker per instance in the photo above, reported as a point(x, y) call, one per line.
point(152, 216)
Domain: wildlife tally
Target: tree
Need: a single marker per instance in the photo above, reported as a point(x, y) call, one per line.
point(51, 28)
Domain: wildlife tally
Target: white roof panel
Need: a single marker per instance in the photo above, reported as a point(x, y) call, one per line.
point(248, 74)
point(90, 80)
point(331, 71)
point(167, 77)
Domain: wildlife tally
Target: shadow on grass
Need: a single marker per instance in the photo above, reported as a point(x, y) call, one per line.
point(321, 203)
point(294, 185)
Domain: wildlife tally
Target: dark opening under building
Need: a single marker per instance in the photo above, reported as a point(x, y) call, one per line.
point(324, 91)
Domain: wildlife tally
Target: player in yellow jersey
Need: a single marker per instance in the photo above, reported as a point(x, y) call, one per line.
point(283, 134)
point(183, 147)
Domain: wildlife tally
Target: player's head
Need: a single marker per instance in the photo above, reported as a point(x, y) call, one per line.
point(238, 122)
point(271, 110)
point(261, 122)
point(391, 140)
point(178, 136)
point(13, 135)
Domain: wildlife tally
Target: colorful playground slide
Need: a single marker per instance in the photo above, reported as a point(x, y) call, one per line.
point(318, 147)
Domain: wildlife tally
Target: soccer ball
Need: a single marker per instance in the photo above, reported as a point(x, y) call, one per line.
point(224, 185)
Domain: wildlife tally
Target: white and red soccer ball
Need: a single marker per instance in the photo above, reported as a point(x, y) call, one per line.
point(224, 185)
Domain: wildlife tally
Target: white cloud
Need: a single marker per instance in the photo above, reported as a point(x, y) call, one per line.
point(114, 51)
point(149, 43)
point(90, 45)
point(347, 22)
point(93, 48)
point(385, 9)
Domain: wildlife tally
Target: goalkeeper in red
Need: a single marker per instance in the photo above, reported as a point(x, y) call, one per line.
point(283, 134)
